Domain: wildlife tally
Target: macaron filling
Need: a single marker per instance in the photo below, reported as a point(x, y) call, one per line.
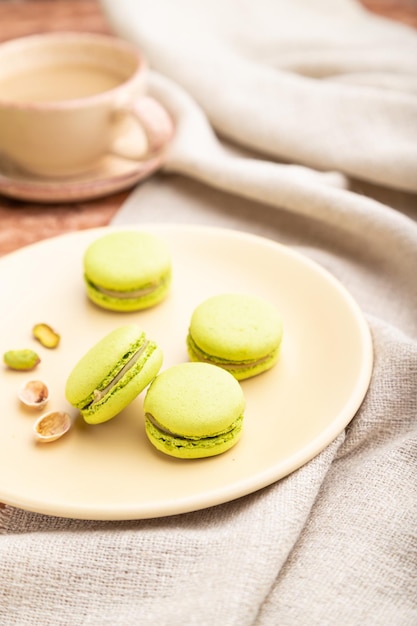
point(163, 430)
point(120, 376)
point(200, 355)
point(99, 394)
point(173, 442)
point(132, 294)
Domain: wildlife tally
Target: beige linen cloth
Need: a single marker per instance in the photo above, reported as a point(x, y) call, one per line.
point(298, 121)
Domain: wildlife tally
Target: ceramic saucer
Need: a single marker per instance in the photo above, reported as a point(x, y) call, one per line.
point(110, 174)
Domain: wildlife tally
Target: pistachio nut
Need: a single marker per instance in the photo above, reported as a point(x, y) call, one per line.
point(48, 337)
point(21, 359)
point(52, 426)
point(34, 394)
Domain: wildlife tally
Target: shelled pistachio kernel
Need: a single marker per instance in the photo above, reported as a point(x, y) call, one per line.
point(23, 360)
point(46, 335)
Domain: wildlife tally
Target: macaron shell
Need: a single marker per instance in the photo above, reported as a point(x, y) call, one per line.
point(236, 327)
point(195, 400)
point(192, 449)
point(126, 260)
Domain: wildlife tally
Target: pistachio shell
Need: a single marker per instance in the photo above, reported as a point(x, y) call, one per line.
point(21, 359)
point(51, 426)
point(48, 337)
point(34, 394)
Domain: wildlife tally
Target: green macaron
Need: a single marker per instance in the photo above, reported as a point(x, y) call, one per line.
point(239, 332)
point(194, 410)
point(112, 373)
point(127, 270)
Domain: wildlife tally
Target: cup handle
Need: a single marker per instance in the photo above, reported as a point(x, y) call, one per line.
point(155, 122)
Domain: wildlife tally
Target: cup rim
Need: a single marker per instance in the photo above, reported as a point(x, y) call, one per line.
point(73, 103)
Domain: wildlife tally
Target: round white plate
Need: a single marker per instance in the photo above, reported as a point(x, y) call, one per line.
point(111, 471)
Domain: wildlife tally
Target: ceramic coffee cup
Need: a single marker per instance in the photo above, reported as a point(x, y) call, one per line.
point(62, 96)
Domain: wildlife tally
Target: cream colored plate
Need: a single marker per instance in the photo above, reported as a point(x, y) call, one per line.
point(110, 471)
